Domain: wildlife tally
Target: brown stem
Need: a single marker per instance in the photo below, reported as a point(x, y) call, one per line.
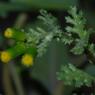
point(20, 21)
point(16, 78)
point(8, 89)
point(59, 88)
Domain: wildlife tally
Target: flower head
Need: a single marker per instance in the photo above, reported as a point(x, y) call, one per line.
point(5, 56)
point(27, 60)
point(8, 33)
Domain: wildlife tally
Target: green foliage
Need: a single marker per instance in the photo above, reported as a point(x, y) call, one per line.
point(78, 23)
point(33, 36)
point(73, 76)
point(49, 4)
point(75, 33)
point(92, 49)
point(28, 5)
point(41, 37)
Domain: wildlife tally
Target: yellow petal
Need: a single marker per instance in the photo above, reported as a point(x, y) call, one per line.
point(27, 60)
point(5, 56)
point(8, 33)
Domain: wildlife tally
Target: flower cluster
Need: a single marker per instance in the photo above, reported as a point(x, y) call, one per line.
point(28, 53)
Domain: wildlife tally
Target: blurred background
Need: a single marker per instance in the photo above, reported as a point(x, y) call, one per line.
point(41, 78)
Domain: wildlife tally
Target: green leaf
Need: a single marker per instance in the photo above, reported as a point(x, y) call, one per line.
point(73, 76)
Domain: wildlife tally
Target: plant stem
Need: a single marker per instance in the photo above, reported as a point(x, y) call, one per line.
point(7, 81)
point(16, 79)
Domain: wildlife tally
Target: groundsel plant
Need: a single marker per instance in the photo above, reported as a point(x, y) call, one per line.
point(34, 42)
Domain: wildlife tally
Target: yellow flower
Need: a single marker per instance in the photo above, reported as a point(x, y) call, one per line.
point(27, 60)
point(5, 56)
point(8, 33)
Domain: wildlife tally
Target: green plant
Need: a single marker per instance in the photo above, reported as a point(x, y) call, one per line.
point(36, 40)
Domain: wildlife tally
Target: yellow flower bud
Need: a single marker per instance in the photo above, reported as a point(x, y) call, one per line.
point(15, 34)
point(27, 60)
point(5, 56)
point(8, 33)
